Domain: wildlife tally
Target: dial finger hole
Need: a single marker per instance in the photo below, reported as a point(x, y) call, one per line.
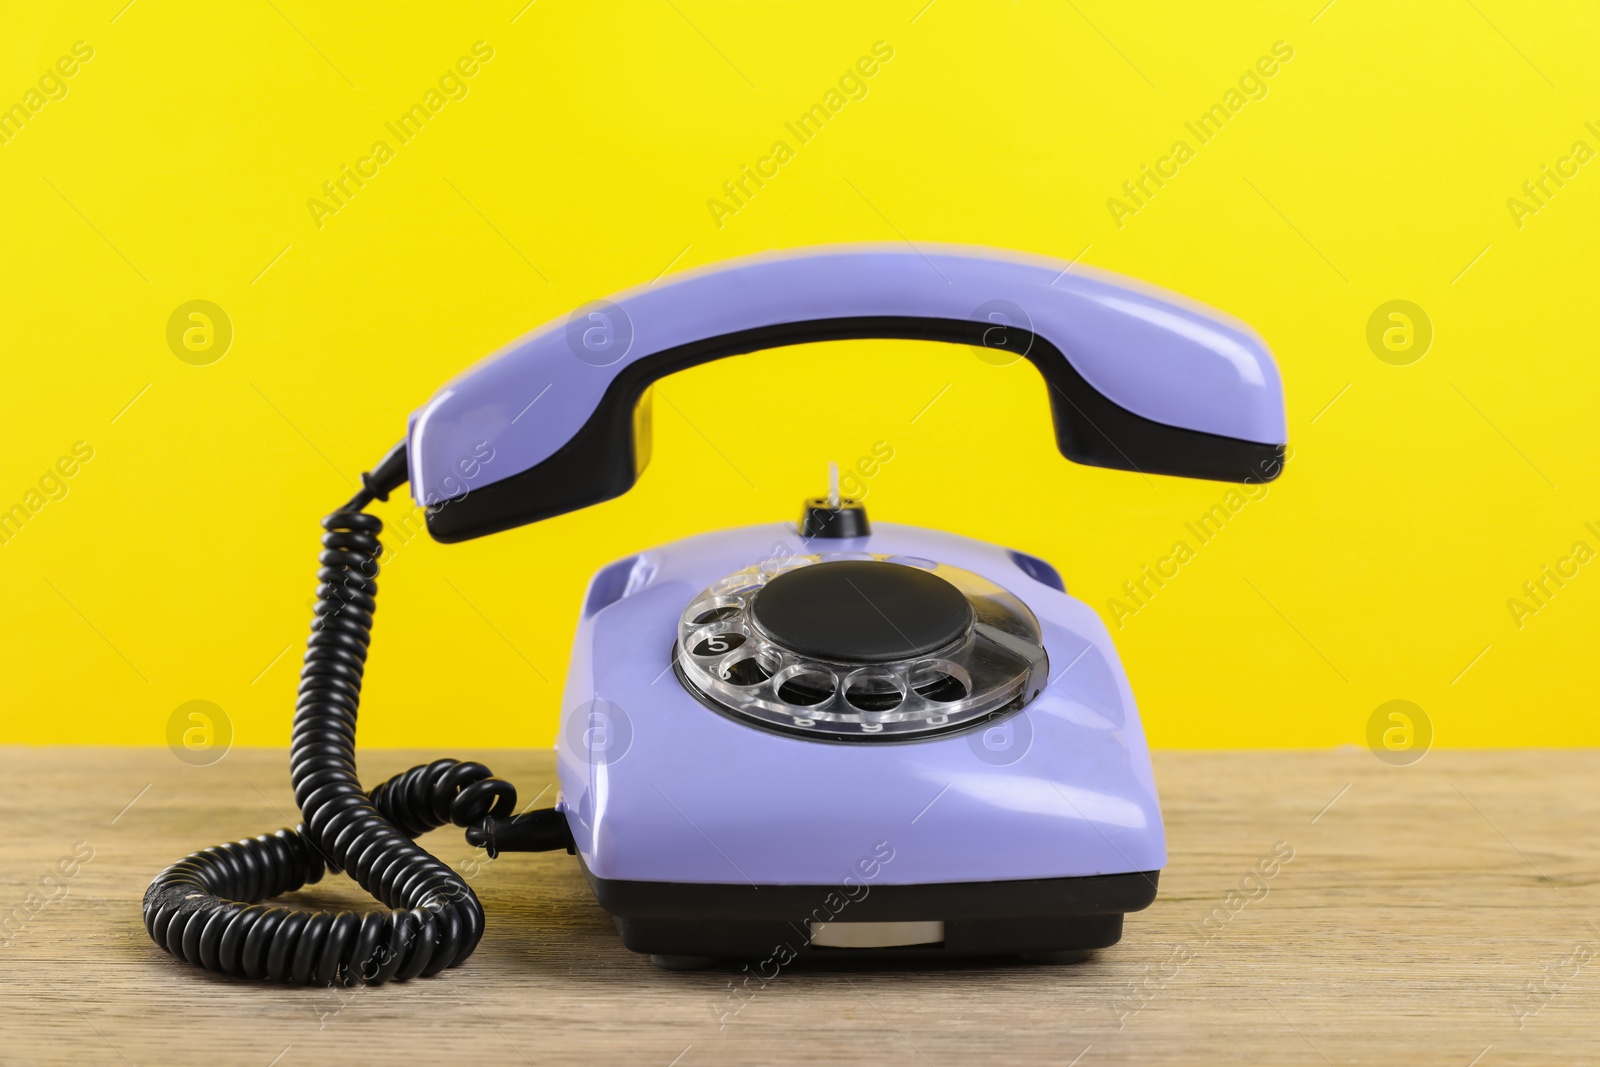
point(736, 585)
point(874, 690)
point(805, 686)
point(746, 671)
point(941, 681)
point(709, 609)
point(719, 644)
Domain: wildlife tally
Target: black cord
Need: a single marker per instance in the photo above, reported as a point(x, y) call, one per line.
point(205, 909)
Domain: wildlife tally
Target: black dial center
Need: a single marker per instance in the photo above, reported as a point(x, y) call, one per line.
point(862, 611)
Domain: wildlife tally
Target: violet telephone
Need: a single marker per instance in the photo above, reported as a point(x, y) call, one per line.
point(832, 739)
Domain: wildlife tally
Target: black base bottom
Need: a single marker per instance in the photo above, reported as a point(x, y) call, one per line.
point(685, 926)
point(677, 945)
point(701, 963)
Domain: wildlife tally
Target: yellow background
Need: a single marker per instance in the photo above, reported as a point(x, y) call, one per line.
point(179, 565)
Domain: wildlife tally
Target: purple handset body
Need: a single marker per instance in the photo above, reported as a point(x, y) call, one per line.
point(1160, 357)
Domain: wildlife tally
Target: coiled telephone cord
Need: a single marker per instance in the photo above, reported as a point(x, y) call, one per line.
point(207, 909)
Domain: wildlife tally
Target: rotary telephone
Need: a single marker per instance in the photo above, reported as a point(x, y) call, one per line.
point(878, 741)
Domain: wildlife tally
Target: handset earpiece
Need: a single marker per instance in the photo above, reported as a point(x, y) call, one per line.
point(1137, 380)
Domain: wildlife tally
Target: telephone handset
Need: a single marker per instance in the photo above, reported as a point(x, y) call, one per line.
point(1136, 381)
point(819, 689)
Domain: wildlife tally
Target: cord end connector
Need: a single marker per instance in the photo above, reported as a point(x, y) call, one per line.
point(390, 474)
point(544, 830)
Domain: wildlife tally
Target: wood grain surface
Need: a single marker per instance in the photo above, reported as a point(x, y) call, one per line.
point(1442, 913)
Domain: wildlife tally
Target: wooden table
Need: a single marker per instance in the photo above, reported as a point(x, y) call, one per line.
point(1421, 906)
